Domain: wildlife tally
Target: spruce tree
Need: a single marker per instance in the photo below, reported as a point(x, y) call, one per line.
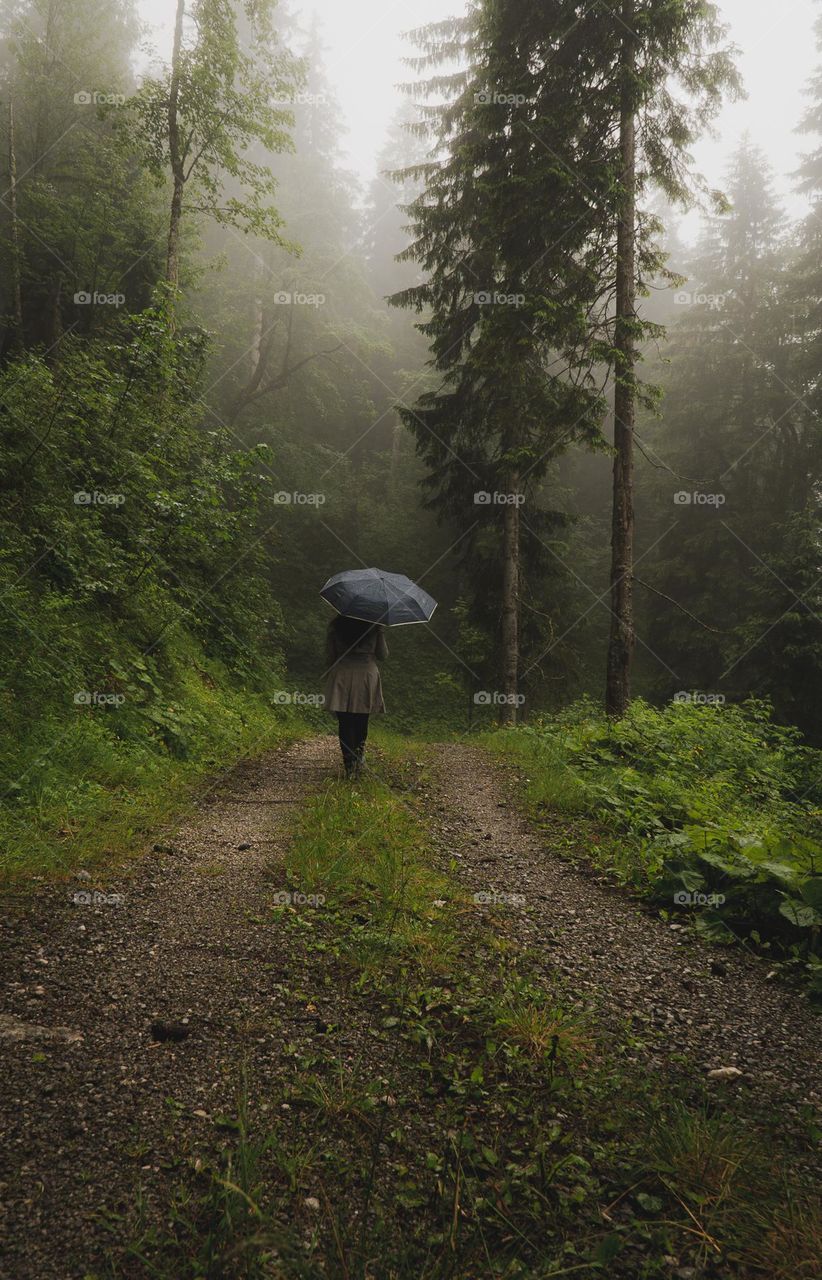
point(503, 235)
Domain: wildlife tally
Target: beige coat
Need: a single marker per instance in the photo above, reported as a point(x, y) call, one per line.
point(353, 682)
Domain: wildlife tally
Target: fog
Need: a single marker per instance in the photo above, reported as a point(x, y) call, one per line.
point(365, 46)
point(411, 640)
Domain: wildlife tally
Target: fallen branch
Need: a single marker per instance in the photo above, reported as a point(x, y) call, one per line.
point(716, 630)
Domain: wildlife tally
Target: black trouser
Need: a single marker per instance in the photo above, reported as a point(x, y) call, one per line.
point(353, 734)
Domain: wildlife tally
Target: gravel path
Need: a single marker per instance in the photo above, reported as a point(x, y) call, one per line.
point(84, 1107)
point(714, 1005)
point(93, 1101)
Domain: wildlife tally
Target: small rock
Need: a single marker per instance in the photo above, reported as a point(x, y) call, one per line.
point(83, 875)
point(245, 845)
point(724, 1073)
point(13, 1029)
point(163, 1031)
point(311, 1202)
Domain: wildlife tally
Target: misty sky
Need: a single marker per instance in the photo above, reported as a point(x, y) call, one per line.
point(365, 47)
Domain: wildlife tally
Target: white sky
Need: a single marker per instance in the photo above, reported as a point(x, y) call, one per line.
point(364, 47)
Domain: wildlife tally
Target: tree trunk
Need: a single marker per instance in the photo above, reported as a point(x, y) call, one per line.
point(42, 145)
point(621, 642)
point(396, 443)
point(510, 606)
point(173, 254)
point(257, 321)
point(16, 288)
point(176, 158)
point(55, 319)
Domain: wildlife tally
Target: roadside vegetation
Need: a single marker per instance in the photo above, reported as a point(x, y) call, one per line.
point(713, 812)
point(135, 659)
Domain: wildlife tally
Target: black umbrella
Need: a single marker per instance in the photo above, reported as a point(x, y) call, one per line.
point(375, 596)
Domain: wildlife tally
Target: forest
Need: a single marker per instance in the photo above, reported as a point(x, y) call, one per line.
point(533, 989)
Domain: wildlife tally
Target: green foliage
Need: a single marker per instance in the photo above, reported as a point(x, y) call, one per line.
point(128, 640)
point(87, 218)
point(720, 806)
point(221, 106)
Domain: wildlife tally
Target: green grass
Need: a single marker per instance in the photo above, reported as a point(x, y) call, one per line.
point(364, 849)
point(88, 786)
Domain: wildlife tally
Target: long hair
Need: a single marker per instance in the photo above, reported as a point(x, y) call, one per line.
point(344, 634)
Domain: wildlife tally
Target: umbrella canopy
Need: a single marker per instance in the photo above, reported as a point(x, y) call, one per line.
point(375, 596)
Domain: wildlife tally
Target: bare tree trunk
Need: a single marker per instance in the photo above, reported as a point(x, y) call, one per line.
point(396, 442)
point(257, 321)
point(510, 605)
point(41, 129)
point(175, 154)
point(55, 319)
point(16, 288)
point(621, 642)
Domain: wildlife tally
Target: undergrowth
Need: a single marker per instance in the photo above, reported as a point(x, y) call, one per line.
point(713, 811)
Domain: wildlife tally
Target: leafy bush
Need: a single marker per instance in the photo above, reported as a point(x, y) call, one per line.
point(720, 805)
point(139, 641)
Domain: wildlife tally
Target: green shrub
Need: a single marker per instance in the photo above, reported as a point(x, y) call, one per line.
point(719, 804)
point(139, 642)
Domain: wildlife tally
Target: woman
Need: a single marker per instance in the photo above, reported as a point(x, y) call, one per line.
point(353, 690)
